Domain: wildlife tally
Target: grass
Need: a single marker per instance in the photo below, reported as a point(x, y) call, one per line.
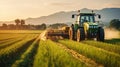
point(107, 58)
point(11, 41)
point(113, 41)
point(51, 55)
point(10, 53)
point(14, 44)
point(8, 36)
point(20, 31)
point(105, 46)
point(27, 57)
point(20, 48)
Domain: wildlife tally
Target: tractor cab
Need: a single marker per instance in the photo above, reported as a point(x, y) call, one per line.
point(86, 18)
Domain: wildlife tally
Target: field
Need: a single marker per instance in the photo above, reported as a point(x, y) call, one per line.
point(29, 48)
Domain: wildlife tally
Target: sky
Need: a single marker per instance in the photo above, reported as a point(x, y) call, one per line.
point(12, 9)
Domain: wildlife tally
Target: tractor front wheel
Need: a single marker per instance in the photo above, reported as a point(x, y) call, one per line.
point(80, 34)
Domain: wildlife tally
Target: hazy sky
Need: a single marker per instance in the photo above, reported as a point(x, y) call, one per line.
point(12, 9)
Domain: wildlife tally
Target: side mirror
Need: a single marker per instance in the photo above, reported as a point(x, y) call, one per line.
point(73, 16)
point(99, 16)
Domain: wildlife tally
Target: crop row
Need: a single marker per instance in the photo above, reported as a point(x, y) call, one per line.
point(20, 31)
point(106, 46)
point(11, 41)
point(8, 40)
point(51, 55)
point(27, 57)
point(8, 34)
point(14, 40)
point(114, 41)
point(4, 37)
point(108, 59)
point(9, 54)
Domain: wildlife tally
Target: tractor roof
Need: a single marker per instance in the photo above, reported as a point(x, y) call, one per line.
point(87, 13)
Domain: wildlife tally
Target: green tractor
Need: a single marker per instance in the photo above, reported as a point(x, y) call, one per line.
point(86, 27)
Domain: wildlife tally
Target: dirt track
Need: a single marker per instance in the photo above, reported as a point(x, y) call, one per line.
point(87, 61)
point(43, 35)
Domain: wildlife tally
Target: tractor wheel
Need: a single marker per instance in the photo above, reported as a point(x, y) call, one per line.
point(71, 34)
point(80, 34)
point(100, 35)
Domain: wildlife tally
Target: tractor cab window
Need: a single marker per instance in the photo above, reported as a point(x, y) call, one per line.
point(87, 18)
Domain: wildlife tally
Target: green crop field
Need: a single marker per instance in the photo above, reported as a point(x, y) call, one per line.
point(24, 48)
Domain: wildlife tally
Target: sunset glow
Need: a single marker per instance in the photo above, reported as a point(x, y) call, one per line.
point(12, 9)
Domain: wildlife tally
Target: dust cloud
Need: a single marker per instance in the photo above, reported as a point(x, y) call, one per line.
point(111, 33)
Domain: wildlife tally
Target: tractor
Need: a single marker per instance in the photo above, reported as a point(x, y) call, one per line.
point(85, 27)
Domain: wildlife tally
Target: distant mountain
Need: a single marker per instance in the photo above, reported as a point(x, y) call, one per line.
point(65, 17)
point(60, 17)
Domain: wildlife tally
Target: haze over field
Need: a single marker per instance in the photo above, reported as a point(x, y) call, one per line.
point(111, 34)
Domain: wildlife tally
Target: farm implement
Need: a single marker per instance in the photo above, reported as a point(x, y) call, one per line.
point(85, 27)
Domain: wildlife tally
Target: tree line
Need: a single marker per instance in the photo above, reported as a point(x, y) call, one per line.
point(20, 25)
point(115, 23)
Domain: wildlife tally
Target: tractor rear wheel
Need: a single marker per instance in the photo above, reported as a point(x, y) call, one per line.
point(100, 35)
point(80, 34)
point(71, 34)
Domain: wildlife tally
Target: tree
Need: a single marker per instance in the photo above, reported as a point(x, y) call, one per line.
point(115, 23)
point(43, 26)
point(22, 22)
point(11, 26)
point(17, 21)
point(4, 26)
